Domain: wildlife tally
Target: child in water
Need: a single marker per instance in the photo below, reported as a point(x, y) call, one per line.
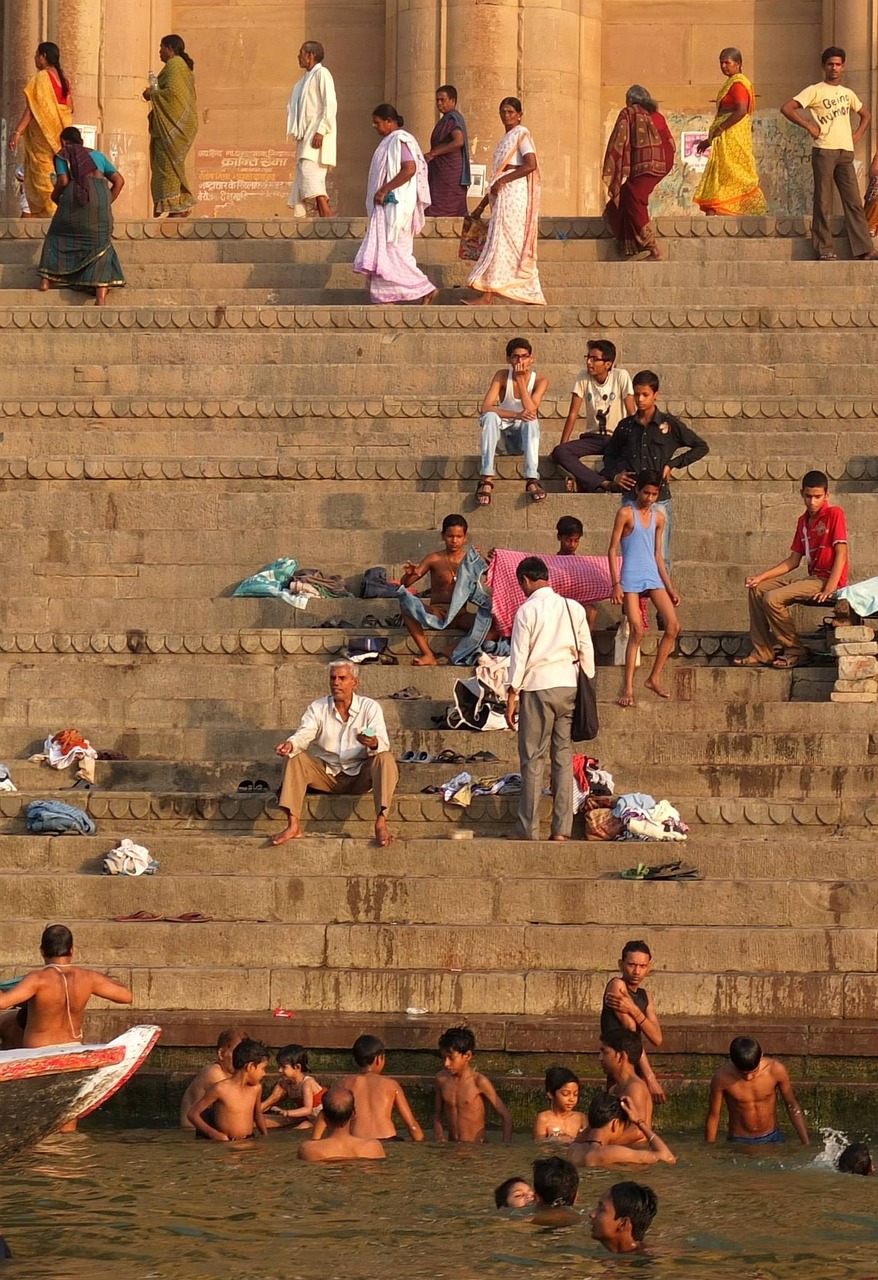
point(562, 1122)
point(231, 1110)
point(294, 1085)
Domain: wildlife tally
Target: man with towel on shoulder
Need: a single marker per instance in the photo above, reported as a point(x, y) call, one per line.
point(311, 120)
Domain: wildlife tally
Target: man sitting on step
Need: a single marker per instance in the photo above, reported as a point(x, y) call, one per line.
point(350, 753)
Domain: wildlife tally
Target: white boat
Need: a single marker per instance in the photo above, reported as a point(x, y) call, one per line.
point(43, 1089)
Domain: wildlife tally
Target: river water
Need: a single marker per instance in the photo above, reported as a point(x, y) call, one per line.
point(157, 1204)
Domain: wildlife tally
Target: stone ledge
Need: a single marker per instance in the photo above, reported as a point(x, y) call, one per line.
point(381, 407)
point(435, 228)
point(504, 316)
point(384, 469)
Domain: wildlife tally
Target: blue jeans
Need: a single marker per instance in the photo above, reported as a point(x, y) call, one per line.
point(510, 436)
point(628, 500)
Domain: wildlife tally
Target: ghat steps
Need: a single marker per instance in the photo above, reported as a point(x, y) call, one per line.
point(239, 401)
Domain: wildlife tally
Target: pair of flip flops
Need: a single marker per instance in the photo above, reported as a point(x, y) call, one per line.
point(149, 917)
point(453, 757)
point(664, 871)
point(415, 757)
point(259, 785)
point(409, 694)
point(336, 624)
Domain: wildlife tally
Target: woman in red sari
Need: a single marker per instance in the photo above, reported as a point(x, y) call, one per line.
point(639, 154)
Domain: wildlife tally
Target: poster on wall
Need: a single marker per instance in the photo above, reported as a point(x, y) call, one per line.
point(241, 180)
point(689, 140)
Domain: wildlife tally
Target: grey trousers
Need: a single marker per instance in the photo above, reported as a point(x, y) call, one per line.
point(545, 719)
point(838, 167)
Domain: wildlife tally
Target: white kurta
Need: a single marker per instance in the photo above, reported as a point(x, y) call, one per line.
point(313, 109)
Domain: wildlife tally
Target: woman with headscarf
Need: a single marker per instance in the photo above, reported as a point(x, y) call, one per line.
point(397, 194)
point(639, 154)
point(173, 123)
point(730, 183)
point(508, 262)
point(78, 250)
point(48, 110)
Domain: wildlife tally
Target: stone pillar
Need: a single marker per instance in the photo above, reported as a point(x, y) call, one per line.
point(22, 32)
point(417, 25)
point(483, 53)
point(851, 24)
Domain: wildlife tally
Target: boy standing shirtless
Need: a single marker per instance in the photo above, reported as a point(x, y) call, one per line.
point(457, 561)
point(750, 1085)
point(627, 1006)
point(212, 1074)
point(461, 1093)
point(376, 1097)
point(231, 1110)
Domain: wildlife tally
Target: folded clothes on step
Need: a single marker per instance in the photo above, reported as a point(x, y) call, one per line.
point(582, 578)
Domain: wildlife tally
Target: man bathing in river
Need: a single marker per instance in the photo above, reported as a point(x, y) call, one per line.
point(749, 1085)
point(350, 753)
point(461, 1093)
point(601, 1144)
point(338, 1143)
point(57, 994)
point(231, 1110)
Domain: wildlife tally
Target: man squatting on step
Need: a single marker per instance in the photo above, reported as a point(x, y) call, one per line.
point(350, 753)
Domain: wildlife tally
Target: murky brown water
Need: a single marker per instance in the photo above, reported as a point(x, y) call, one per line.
point(157, 1204)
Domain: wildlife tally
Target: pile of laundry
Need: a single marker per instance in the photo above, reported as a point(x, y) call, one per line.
point(462, 789)
point(315, 584)
point(61, 750)
point(377, 585)
point(284, 580)
point(632, 816)
point(129, 859)
point(6, 783)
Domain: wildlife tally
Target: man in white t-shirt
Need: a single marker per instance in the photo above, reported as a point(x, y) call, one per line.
point(832, 155)
point(608, 397)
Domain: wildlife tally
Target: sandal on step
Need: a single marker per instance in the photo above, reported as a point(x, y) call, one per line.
point(536, 491)
point(785, 662)
point(484, 492)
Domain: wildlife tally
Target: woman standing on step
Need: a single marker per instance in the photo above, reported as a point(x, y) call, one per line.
point(508, 263)
point(639, 154)
point(730, 183)
point(48, 109)
point(173, 123)
point(78, 250)
point(397, 195)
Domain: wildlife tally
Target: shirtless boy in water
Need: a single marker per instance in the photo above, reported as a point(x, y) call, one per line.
point(212, 1074)
point(231, 1110)
point(57, 995)
point(461, 1093)
point(442, 567)
point(750, 1085)
point(376, 1097)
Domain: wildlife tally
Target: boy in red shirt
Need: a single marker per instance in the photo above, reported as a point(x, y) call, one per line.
point(821, 540)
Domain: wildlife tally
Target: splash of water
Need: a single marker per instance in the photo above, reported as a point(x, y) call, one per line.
point(834, 1142)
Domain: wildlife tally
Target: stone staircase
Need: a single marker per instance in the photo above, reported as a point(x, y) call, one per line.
point(240, 401)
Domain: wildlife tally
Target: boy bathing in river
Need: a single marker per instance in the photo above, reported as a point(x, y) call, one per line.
point(750, 1085)
point(231, 1110)
point(376, 1097)
point(212, 1074)
point(461, 1093)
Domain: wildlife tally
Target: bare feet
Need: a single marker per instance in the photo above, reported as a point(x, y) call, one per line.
point(44, 285)
point(291, 832)
point(656, 688)
point(425, 660)
point(626, 700)
point(382, 836)
point(428, 298)
point(558, 839)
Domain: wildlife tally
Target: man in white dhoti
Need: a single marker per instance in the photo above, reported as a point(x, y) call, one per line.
point(311, 120)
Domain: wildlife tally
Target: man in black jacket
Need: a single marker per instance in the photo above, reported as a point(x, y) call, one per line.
point(651, 440)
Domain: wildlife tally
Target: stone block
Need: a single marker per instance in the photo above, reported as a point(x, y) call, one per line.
point(863, 668)
point(855, 686)
point(853, 697)
point(851, 649)
point(854, 635)
point(388, 991)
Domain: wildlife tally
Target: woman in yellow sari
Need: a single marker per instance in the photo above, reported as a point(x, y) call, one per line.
point(173, 123)
point(730, 183)
point(48, 110)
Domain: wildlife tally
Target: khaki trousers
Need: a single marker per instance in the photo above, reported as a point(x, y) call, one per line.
point(379, 775)
point(545, 723)
point(771, 624)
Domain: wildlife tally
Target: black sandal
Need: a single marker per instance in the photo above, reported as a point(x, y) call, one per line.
point(485, 491)
point(536, 491)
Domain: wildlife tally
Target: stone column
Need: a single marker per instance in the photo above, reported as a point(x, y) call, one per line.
point(851, 24)
point(483, 56)
point(22, 32)
point(418, 63)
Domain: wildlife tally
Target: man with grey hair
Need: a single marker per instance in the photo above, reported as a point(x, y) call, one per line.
point(350, 753)
point(311, 120)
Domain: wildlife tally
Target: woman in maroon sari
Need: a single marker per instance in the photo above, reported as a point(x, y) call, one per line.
point(639, 154)
point(448, 159)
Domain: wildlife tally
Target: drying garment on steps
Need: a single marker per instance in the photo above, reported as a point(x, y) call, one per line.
point(582, 578)
point(468, 589)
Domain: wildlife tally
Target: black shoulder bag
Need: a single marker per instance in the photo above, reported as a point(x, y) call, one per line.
point(585, 712)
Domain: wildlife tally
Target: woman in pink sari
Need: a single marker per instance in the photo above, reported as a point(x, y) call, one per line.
point(397, 194)
point(508, 263)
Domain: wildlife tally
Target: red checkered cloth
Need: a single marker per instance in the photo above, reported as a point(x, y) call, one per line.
point(582, 578)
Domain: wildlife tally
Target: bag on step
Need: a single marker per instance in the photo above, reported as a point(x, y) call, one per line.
point(475, 706)
point(129, 859)
point(54, 818)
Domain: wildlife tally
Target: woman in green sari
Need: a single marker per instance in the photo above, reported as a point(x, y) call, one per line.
point(173, 123)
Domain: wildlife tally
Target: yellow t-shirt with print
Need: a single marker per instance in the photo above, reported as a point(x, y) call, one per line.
point(831, 106)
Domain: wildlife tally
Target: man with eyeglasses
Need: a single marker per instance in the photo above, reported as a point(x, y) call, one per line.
point(608, 397)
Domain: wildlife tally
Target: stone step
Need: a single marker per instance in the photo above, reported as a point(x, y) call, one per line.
point(457, 900)
point(777, 855)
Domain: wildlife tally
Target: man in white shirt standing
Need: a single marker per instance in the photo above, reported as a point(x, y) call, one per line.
point(550, 642)
point(832, 155)
point(350, 753)
point(311, 120)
